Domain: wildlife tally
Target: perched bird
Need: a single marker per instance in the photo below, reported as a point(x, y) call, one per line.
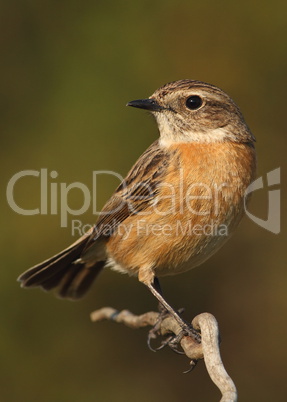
point(178, 204)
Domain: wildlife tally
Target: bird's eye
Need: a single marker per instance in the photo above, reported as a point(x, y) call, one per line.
point(193, 102)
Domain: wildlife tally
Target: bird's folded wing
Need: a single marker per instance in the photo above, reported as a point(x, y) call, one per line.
point(136, 193)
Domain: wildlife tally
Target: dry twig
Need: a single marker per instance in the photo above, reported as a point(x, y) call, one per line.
point(208, 349)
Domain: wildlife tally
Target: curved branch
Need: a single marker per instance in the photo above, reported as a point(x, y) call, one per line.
point(208, 326)
point(208, 349)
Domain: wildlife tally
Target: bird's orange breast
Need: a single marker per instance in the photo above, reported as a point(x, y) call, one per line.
point(198, 204)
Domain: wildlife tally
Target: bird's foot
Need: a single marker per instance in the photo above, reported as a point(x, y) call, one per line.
point(188, 330)
point(170, 339)
point(155, 331)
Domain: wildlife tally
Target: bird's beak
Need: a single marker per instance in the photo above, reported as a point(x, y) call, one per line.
point(148, 104)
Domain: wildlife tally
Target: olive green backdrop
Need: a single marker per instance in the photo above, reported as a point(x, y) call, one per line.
point(67, 70)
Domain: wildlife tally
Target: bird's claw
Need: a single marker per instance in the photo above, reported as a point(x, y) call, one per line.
point(193, 363)
point(170, 340)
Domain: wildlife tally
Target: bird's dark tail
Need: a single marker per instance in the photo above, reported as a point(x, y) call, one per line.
point(62, 271)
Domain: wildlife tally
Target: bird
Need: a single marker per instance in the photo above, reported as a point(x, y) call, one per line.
point(179, 203)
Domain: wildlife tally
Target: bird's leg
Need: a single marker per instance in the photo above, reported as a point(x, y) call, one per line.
point(162, 314)
point(154, 331)
point(165, 308)
point(157, 287)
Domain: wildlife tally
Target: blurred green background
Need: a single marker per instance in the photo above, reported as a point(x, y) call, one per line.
point(67, 70)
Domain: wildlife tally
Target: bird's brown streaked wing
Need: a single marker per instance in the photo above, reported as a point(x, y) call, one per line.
point(136, 193)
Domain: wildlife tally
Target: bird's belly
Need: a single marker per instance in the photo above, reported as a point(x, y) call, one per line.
point(198, 248)
point(167, 246)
